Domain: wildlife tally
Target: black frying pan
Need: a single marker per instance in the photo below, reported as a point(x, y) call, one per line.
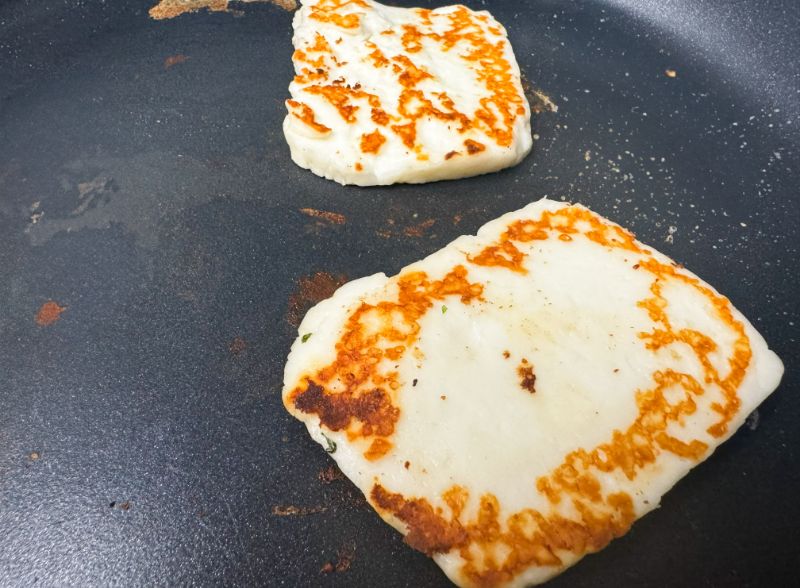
point(146, 187)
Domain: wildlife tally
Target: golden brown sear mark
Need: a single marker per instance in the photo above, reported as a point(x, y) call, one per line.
point(329, 474)
point(377, 449)
point(296, 511)
point(371, 142)
point(474, 147)
point(530, 536)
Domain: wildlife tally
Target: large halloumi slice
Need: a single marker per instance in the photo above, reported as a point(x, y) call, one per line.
point(519, 398)
point(384, 94)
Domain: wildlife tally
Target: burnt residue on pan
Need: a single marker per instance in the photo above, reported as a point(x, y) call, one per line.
point(90, 193)
point(309, 291)
point(329, 474)
point(171, 8)
point(344, 559)
point(200, 239)
point(291, 510)
point(125, 505)
point(237, 345)
point(48, 313)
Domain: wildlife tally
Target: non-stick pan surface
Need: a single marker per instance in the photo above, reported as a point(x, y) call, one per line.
point(145, 187)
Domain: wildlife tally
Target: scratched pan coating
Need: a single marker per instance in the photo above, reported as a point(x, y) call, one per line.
point(147, 191)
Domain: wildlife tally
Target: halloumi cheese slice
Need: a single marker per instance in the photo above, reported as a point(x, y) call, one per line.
point(519, 398)
point(384, 95)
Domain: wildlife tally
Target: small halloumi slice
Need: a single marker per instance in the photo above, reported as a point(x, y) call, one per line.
point(519, 398)
point(384, 95)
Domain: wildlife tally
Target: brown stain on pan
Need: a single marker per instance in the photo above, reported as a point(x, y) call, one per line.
point(357, 393)
point(296, 511)
point(428, 531)
point(173, 60)
point(538, 100)
point(354, 393)
point(333, 218)
point(419, 229)
point(344, 559)
point(310, 290)
point(304, 113)
point(48, 313)
point(534, 537)
point(237, 345)
point(498, 109)
point(171, 8)
point(527, 377)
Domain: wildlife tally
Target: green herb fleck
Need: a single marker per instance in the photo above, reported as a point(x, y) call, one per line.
point(305, 337)
point(444, 309)
point(331, 448)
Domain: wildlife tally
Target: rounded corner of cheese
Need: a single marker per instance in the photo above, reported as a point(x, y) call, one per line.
point(519, 398)
point(385, 95)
